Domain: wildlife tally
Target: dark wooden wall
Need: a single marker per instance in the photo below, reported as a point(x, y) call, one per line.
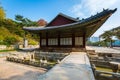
point(64, 46)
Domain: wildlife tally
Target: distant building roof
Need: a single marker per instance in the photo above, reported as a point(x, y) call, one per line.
point(42, 22)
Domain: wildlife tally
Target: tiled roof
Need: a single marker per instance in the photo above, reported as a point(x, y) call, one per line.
point(98, 15)
point(65, 16)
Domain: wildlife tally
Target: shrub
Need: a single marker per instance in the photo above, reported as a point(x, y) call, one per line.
point(10, 40)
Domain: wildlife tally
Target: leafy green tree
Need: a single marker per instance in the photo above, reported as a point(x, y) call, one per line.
point(19, 18)
point(107, 36)
point(11, 31)
point(2, 13)
point(118, 34)
point(21, 21)
point(10, 40)
point(42, 22)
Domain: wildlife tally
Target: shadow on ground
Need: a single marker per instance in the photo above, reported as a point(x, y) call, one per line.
point(30, 75)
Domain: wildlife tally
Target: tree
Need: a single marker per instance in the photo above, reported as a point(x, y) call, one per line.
point(107, 37)
point(25, 21)
point(10, 40)
point(2, 13)
point(42, 22)
point(11, 31)
point(118, 34)
point(19, 18)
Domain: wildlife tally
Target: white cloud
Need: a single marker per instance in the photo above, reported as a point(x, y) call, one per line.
point(91, 7)
point(96, 5)
point(76, 10)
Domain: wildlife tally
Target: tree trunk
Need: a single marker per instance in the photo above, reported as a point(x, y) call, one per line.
point(111, 44)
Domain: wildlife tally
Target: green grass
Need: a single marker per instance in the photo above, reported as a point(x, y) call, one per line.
point(6, 50)
point(104, 69)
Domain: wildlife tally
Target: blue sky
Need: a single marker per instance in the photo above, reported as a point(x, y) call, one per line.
point(48, 9)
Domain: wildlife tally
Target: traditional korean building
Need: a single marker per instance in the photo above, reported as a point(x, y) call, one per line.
point(65, 32)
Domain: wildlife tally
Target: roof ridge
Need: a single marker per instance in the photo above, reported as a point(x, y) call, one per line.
point(64, 15)
point(75, 19)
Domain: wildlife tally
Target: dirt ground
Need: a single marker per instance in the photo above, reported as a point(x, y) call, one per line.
point(16, 71)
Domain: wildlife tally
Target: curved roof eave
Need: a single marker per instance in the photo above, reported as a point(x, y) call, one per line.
point(98, 15)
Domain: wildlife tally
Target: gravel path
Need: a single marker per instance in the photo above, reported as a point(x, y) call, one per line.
point(15, 71)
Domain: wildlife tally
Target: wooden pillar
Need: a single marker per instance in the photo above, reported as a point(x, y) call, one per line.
point(46, 39)
point(73, 40)
point(40, 37)
point(84, 40)
point(58, 39)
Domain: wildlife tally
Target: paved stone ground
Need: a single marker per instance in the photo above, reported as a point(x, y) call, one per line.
point(117, 48)
point(75, 66)
point(104, 49)
point(15, 71)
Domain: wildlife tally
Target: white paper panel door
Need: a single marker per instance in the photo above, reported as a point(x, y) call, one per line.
point(43, 42)
point(78, 41)
point(53, 41)
point(66, 41)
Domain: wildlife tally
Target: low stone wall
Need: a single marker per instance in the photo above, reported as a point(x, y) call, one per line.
point(30, 62)
point(104, 62)
point(101, 63)
point(3, 47)
point(62, 49)
point(102, 75)
point(75, 66)
point(51, 56)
